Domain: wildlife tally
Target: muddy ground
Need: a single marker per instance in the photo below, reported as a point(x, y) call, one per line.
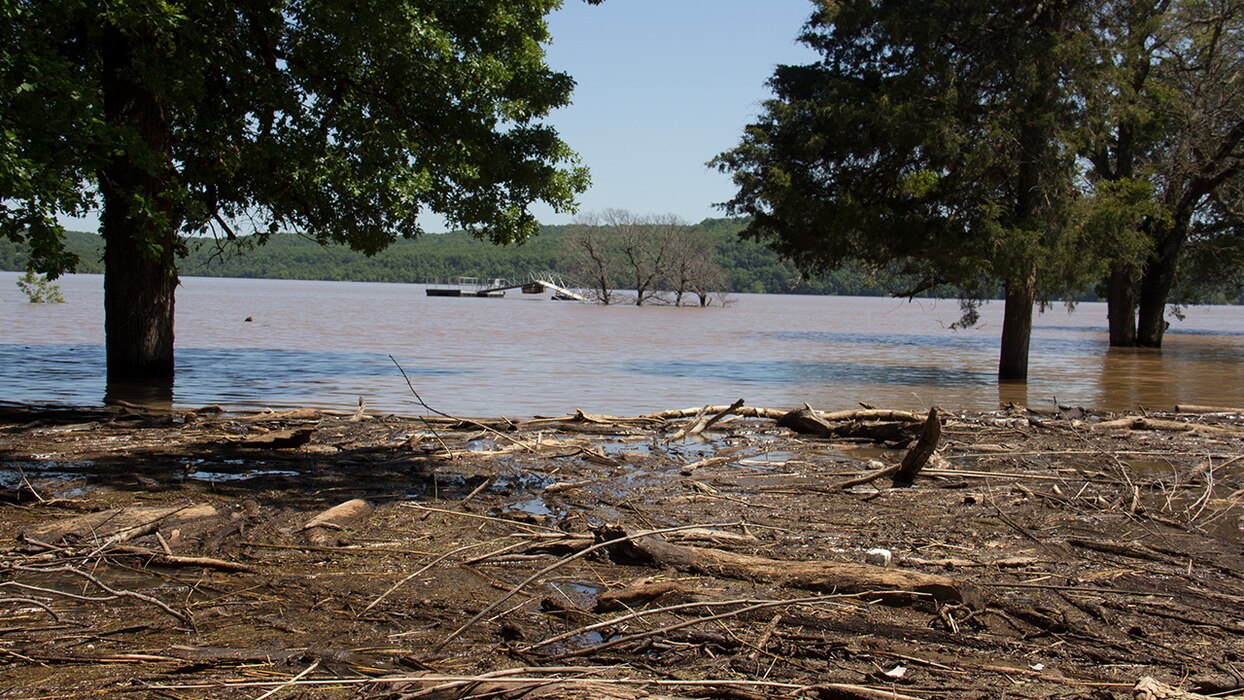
point(1063, 554)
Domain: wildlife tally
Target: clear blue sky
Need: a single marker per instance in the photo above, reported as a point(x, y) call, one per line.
point(662, 87)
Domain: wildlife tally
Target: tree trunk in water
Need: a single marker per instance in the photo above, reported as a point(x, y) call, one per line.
point(1021, 295)
point(1155, 286)
point(1121, 307)
point(139, 229)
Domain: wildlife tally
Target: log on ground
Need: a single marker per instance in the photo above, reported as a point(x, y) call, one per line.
point(890, 585)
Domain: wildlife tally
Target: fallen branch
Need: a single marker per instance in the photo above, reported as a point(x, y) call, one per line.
point(702, 423)
point(918, 456)
point(890, 585)
point(557, 565)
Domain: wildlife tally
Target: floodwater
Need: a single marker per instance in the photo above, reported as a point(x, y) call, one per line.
point(326, 344)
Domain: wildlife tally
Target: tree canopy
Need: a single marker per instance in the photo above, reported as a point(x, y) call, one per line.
point(926, 137)
point(342, 120)
point(1043, 146)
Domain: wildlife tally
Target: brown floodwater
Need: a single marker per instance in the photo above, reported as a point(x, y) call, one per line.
point(328, 343)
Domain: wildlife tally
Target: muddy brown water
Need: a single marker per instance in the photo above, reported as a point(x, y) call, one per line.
point(326, 344)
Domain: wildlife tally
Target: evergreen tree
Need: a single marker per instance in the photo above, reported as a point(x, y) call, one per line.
point(927, 140)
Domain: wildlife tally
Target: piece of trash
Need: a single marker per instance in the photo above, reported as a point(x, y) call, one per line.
point(481, 445)
point(1037, 667)
point(878, 557)
point(897, 672)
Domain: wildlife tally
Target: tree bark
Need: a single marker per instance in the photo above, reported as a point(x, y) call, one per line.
point(1121, 307)
point(1155, 285)
point(1021, 295)
point(138, 225)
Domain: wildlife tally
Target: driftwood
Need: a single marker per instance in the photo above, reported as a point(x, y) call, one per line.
point(703, 421)
point(918, 456)
point(890, 585)
point(1149, 688)
point(637, 595)
point(557, 690)
point(120, 524)
point(1193, 408)
point(843, 691)
point(1142, 423)
point(338, 517)
point(279, 439)
point(878, 426)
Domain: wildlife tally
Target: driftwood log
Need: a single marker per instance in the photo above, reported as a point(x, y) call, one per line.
point(878, 426)
point(638, 595)
point(318, 530)
point(891, 585)
point(1149, 688)
point(918, 456)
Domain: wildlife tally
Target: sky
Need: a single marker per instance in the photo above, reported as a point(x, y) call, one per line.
point(662, 87)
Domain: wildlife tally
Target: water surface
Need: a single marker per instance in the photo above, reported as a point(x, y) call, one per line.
point(328, 343)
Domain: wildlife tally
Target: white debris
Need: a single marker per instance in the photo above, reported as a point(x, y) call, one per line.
point(878, 557)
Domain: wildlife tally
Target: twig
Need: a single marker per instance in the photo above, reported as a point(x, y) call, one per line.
point(637, 614)
point(293, 681)
point(517, 680)
point(1078, 589)
point(26, 482)
point(36, 603)
point(557, 565)
point(475, 516)
point(112, 593)
point(477, 424)
point(688, 623)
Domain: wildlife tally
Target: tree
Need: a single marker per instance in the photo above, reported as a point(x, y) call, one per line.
point(342, 120)
point(38, 290)
point(691, 267)
point(644, 244)
point(590, 255)
point(1164, 121)
point(926, 140)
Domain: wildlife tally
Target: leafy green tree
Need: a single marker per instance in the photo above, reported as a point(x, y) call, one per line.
point(925, 141)
point(342, 120)
point(38, 290)
point(1163, 132)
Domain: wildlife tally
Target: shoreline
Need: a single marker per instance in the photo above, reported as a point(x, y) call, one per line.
point(1035, 555)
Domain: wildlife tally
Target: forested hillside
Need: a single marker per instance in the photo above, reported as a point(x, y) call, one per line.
point(749, 266)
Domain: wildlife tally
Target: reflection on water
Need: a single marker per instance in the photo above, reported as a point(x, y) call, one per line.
point(328, 343)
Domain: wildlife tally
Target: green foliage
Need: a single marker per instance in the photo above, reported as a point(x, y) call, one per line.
point(924, 143)
point(342, 120)
point(38, 290)
point(750, 267)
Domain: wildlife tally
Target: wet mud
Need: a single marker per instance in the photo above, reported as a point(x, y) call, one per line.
point(309, 554)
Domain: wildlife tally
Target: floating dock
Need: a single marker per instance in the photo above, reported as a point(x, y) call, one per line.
point(537, 283)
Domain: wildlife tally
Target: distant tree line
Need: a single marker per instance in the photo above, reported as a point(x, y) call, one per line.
point(746, 266)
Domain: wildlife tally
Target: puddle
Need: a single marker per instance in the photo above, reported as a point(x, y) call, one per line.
point(51, 478)
point(532, 506)
point(222, 477)
point(1159, 468)
point(481, 445)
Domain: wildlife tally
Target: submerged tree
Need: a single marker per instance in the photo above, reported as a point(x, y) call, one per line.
point(1164, 133)
point(342, 120)
point(927, 138)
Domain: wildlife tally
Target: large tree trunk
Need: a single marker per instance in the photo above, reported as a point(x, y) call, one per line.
point(1021, 296)
point(1121, 307)
point(139, 228)
point(1155, 286)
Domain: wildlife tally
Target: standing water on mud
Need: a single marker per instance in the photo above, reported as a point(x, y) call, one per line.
point(326, 344)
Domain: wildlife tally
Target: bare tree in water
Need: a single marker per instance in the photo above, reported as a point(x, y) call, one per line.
point(589, 255)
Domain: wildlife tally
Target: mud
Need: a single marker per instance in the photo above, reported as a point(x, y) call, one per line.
point(1096, 552)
